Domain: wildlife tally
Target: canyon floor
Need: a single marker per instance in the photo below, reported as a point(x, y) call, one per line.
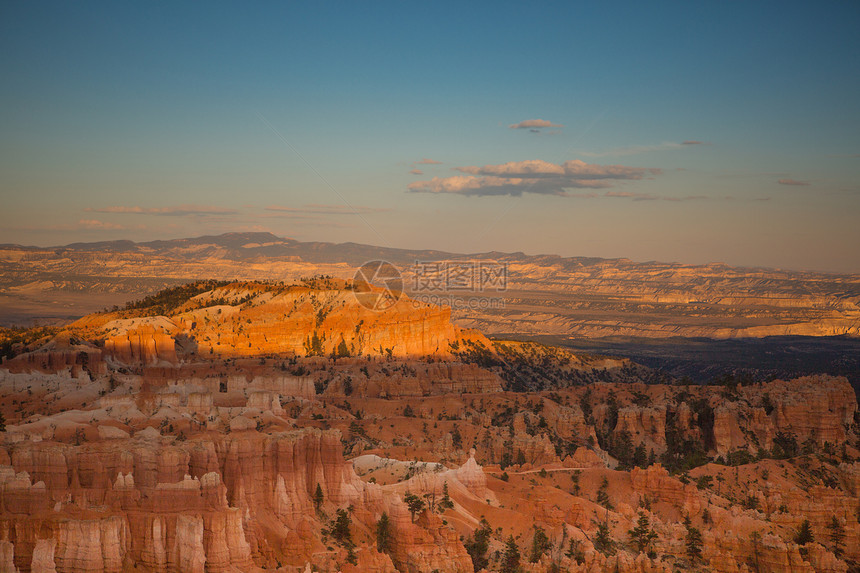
point(287, 426)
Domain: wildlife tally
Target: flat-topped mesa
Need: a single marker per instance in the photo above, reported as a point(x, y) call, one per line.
point(253, 319)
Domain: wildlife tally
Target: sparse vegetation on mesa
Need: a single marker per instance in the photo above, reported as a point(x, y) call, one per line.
point(15, 339)
point(169, 299)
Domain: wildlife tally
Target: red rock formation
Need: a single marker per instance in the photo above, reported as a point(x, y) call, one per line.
point(200, 462)
point(143, 345)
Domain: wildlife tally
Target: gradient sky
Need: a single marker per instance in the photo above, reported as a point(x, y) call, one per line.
point(732, 128)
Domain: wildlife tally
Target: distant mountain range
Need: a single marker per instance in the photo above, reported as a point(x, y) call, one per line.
point(579, 297)
point(257, 246)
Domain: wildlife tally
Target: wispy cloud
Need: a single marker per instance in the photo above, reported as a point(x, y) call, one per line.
point(793, 182)
point(638, 149)
point(533, 124)
point(416, 172)
point(314, 209)
point(178, 211)
point(82, 225)
point(651, 197)
point(97, 225)
point(426, 161)
point(532, 176)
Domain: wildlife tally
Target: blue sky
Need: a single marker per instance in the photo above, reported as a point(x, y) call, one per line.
point(164, 120)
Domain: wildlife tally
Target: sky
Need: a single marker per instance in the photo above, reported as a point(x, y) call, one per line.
point(693, 132)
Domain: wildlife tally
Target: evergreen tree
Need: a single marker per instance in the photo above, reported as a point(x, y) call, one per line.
point(622, 449)
point(351, 557)
point(414, 503)
point(342, 349)
point(612, 415)
point(640, 457)
point(585, 406)
point(756, 541)
point(446, 502)
point(340, 529)
point(456, 437)
point(576, 552)
point(318, 497)
point(603, 540)
point(477, 545)
point(511, 557)
point(804, 533)
point(506, 460)
point(383, 534)
point(836, 535)
point(574, 477)
point(521, 458)
point(642, 535)
point(693, 542)
point(347, 386)
point(602, 495)
point(540, 545)
point(314, 345)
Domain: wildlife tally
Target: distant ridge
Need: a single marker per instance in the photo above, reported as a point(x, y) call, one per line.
point(252, 245)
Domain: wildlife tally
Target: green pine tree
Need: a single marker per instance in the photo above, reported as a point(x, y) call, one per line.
point(836, 533)
point(477, 545)
point(446, 502)
point(804, 533)
point(511, 557)
point(640, 456)
point(642, 535)
point(603, 540)
point(540, 545)
point(693, 542)
point(602, 495)
point(342, 349)
point(340, 529)
point(318, 497)
point(414, 503)
point(383, 534)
